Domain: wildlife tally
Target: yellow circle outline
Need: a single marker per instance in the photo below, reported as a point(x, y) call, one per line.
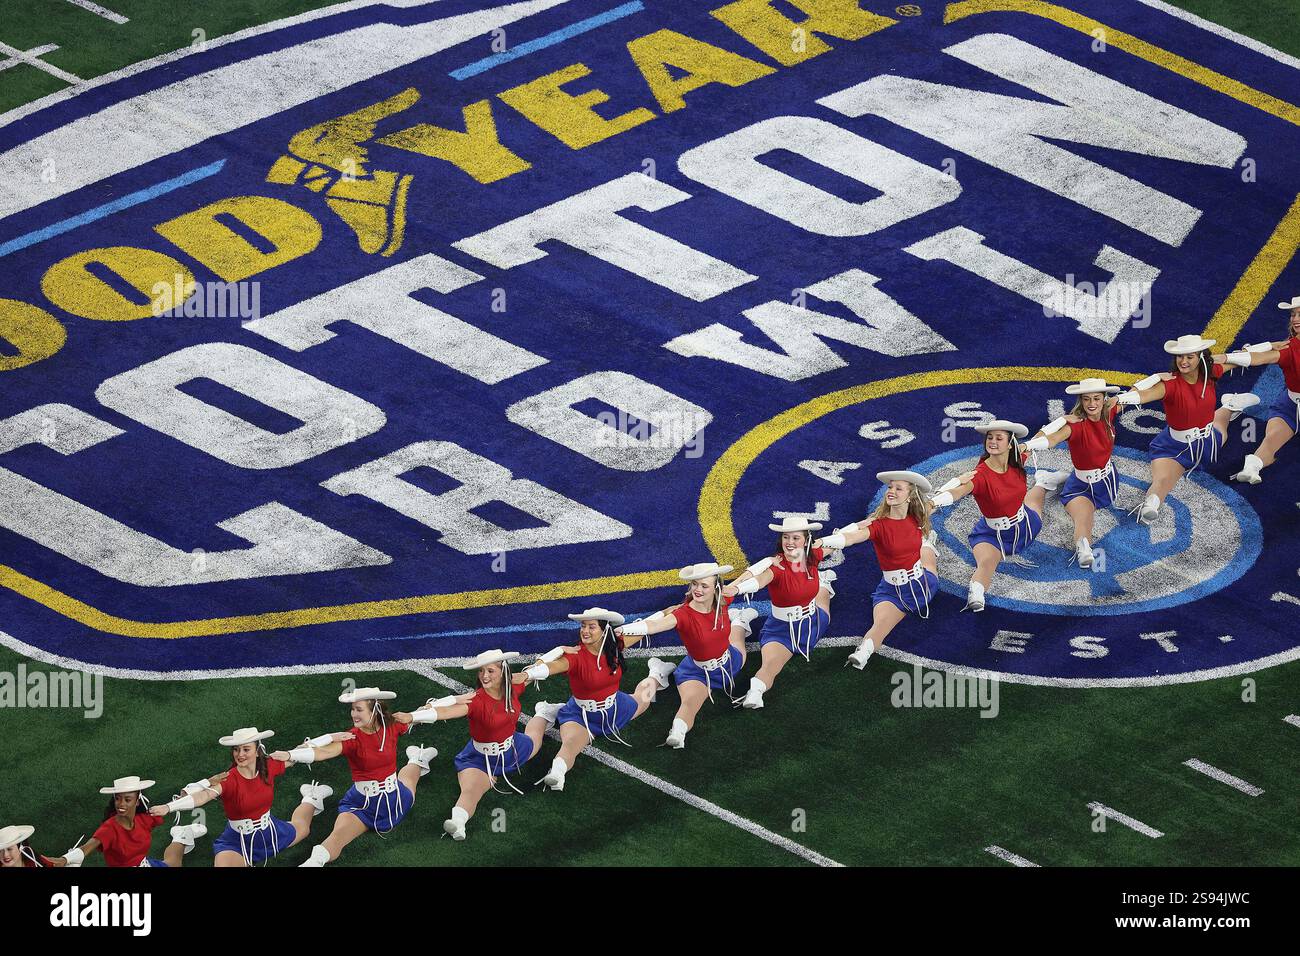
point(719, 489)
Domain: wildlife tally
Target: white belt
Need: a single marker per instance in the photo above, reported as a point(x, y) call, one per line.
point(373, 788)
point(1094, 475)
point(903, 575)
point(493, 749)
point(1006, 524)
point(1190, 435)
point(251, 826)
point(597, 705)
point(716, 663)
point(794, 613)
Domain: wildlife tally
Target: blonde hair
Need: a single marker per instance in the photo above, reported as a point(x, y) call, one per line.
point(917, 506)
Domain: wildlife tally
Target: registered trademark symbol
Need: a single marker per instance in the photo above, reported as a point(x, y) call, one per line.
point(908, 10)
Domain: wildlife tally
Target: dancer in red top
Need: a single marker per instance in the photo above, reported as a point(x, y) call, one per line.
point(1011, 515)
point(1093, 482)
point(496, 748)
point(1283, 414)
point(127, 831)
point(252, 834)
point(714, 634)
point(597, 708)
point(379, 796)
point(1194, 431)
point(900, 533)
point(801, 601)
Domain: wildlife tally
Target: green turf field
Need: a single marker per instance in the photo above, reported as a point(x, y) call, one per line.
point(828, 743)
point(828, 764)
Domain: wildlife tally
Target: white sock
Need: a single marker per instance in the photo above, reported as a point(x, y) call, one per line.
point(319, 855)
point(754, 682)
point(976, 589)
point(460, 815)
point(867, 648)
point(559, 766)
point(679, 727)
point(1253, 464)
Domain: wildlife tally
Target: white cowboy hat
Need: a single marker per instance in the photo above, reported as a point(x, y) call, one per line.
point(921, 482)
point(131, 784)
point(1188, 345)
point(791, 523)
point(706, 569)
point(1293, 304)
point(1002, 425)
point(365, 693)
point(12, 836)
point(494, 656)
point(245, 735)
point(1089, 385)
point(598, 614)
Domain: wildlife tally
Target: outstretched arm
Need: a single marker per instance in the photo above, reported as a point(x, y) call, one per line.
point(754, 577)
point(1149, 389)
point(77, 855)
point(656, 623)
point(846, 537)
point(953, 490)
point(324, 747)
point(194, 795)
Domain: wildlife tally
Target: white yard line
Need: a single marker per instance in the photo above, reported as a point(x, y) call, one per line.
point(1006, 856)
point(1125, 819)
point(99, 11)
point(33, 58)
point(663, 786)
point(1214, 773)
point(1220, 30)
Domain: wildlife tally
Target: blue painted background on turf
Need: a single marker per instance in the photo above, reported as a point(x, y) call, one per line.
point(584, 315)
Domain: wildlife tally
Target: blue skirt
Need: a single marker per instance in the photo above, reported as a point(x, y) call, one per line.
point(604, 723)
point(806, 633)
point(724, 678)
point(1102, 493)
point(380, 813)
point(914, 596)
point(1012, 541)
point(256, 847)
point(500, 764)
point(1191, 456)
point(1287, 409)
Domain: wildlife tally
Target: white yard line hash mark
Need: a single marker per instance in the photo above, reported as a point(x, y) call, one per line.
point(33, 58)
point(99, 11)
point(1214, 773)
point(1006, 856)
point(1125, 819)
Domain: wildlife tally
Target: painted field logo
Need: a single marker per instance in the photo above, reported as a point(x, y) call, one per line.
point(1206, 537)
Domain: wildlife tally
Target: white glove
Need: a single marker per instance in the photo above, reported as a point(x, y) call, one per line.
point(1147, 382)
point(747, 586)
point(427, 716)
point(302, 755)
point(1259, 347)
point(74, 857)
point(198, 786)
point(181, 803)
point(321, 741)
point(952, 484)
point(1036, 444)
point(538, 672)
point(448, 701)
point(847, 527)
point(554, 654)
point(942, 500)
point(835, 541)
point(639, 628)
point(1128, 398)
